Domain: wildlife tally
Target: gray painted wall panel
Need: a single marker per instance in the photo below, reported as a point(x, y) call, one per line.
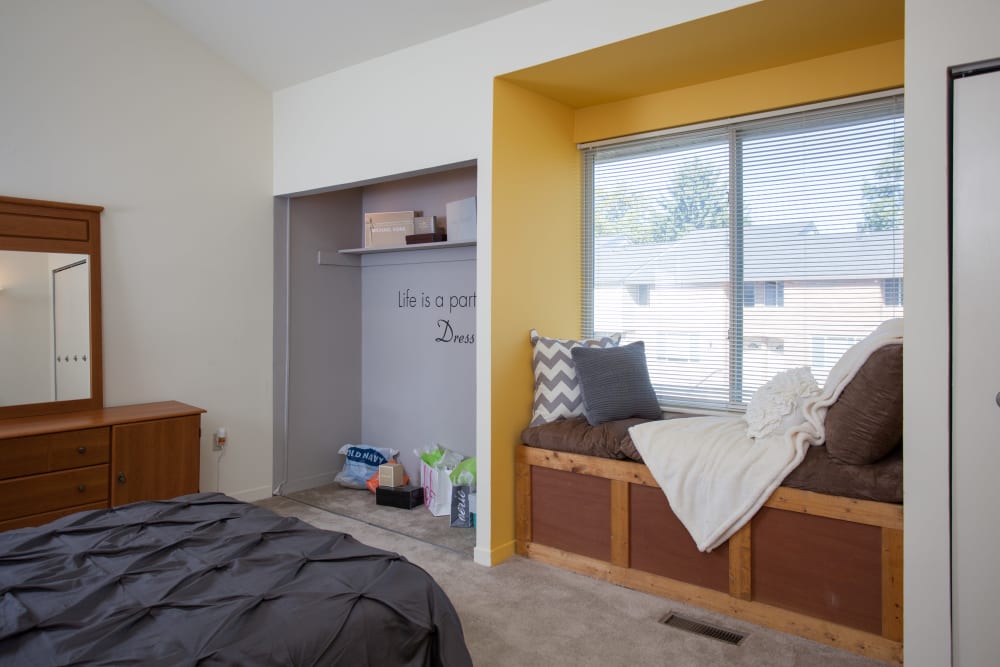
point(280, 340)
point(324, 393)
point(419, 373)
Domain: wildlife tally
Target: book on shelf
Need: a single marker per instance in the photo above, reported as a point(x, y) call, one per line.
point(412, 239)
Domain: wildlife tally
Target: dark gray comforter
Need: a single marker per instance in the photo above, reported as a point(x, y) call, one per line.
point(208, 580)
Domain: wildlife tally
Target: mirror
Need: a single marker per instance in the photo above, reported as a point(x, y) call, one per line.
point(44, 326)
point(50, 335)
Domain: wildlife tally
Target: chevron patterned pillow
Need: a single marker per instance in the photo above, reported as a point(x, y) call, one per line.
point(557, 388)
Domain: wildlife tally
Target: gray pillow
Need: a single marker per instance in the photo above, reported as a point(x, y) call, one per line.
point(615, 383)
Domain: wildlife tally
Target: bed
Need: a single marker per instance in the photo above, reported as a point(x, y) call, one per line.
point(821, 558)
point(205, 579)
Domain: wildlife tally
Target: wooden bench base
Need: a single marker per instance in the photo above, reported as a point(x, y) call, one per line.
point(823, 567)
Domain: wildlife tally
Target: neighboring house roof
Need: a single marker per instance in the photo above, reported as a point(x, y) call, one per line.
point(786, 251)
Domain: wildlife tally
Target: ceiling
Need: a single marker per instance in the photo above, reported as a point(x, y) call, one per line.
point(283, 42)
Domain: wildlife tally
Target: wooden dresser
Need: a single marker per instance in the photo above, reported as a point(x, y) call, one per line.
point(58, 464)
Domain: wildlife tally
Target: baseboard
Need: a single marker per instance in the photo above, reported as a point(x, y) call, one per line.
point(296, 485)
point(251, 495)
point(490, 557)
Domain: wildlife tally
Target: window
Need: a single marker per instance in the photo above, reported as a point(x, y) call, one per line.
point(827, 350)
point(639, 294)
point(892, 292)
point(679, 347)
point(774, 293)
point(766, 293)
point(742, 249)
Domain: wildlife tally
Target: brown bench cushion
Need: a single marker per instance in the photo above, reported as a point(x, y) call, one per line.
point(609, 440)
point(820, 472)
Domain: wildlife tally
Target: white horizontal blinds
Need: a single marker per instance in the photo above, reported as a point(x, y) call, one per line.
point(726, 291)
point(661, 267)
point(823, 218)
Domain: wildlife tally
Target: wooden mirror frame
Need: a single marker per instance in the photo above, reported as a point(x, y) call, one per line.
point(46, 226)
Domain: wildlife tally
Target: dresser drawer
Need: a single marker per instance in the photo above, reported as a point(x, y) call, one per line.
point(53, 491)
point(54, 451)
point(45, 517)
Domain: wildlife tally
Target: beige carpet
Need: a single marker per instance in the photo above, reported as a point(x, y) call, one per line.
point(417, 523)
point(523, 613)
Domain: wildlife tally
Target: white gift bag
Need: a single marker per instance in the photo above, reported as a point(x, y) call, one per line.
point(437, 489)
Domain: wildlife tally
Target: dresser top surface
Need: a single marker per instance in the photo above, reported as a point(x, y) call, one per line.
point(74, 421)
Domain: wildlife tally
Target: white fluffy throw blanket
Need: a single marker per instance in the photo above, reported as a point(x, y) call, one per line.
point(716, 477)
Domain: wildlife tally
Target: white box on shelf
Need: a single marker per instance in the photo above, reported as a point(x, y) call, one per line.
point(460, 219)
point(388, 229)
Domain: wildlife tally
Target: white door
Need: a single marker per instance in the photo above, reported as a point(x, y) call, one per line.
point(71, 313)
point(975, 453)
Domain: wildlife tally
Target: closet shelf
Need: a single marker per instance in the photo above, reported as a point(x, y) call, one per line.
point(402, 248)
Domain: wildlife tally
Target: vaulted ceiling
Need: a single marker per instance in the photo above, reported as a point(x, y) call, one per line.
point(283, 42)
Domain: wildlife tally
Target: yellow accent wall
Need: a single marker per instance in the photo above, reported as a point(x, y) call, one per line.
point(536, 256)
point(866, 70)
point(536, 279)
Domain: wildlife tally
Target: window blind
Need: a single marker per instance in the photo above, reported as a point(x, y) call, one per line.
point(741, 250)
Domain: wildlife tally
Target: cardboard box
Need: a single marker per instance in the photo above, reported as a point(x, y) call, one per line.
point(388, 229)
point(405, 497)
point(390, 474)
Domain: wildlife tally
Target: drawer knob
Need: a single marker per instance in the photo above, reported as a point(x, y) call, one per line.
point(81, 488)
point(121, 478)
point(81, 450)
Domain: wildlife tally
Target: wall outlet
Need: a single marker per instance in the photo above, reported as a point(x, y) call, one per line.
point(219, 439)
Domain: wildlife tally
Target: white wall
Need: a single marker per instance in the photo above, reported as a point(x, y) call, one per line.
point(432, 104)
point(106, 102)
point(938, 35)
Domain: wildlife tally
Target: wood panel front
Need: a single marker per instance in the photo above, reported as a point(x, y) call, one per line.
point(822, 567)
point(45, 517)
point(61, 228)
point(155, 460)
point(660, 544)
point(79, 448)
point(571, 512)
point(36, 494)
point(55, 451)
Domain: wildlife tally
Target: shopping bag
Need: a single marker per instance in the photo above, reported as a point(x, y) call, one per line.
point(461, 514)
point(437, 489)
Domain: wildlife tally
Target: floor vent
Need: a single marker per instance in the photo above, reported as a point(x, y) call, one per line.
point(704, 629)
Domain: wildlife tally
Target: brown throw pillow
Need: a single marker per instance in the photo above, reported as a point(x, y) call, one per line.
point(866, 422)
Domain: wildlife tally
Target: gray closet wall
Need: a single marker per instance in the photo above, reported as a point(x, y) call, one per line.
point(419, 358)
point(322, 406)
